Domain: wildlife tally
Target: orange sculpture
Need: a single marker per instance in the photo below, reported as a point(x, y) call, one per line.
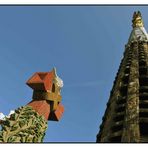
point(46, 94)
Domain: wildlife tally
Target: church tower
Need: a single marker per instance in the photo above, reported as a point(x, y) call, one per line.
point(126, 115)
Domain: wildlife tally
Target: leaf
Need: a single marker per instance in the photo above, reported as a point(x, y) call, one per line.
point(11, 139)
point(7, 123)
point(22, 123)
point(23, 139)
point(1, 136)
point(15, 127)
point(13, 116)
point(4, 128)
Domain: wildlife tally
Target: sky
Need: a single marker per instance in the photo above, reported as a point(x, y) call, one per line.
point(84, 43)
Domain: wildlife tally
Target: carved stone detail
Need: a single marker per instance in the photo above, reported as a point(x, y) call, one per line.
point(25, 125)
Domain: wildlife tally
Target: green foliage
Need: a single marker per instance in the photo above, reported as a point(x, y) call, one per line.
point(25, 125)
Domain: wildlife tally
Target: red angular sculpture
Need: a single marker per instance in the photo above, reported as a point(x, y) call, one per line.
point(46, 94)
point(41, 81)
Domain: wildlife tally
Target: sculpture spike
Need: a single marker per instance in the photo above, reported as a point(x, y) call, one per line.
point(137, 20)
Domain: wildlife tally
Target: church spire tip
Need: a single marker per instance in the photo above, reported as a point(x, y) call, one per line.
point(137, 20)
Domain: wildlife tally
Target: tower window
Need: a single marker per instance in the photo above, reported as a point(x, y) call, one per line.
point(143, 105)
point(143, 89)
point(127, 69)
point(143, 80)
point(121, 101)
point(115, 139)
point(120, 109)
point(119, 118)
point(143, 114)
point(144, 129)
point(142, 63)
point(123, 90)
point(142, 70)
point(125, 78)
point(53, 87)
point(117, 128)
point(143, 96)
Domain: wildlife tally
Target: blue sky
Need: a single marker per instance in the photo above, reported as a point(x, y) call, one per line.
point(84, 43)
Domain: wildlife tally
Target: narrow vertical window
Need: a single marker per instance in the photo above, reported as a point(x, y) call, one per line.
point(53, 87)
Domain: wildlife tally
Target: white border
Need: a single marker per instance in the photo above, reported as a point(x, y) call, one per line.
point(22, 2)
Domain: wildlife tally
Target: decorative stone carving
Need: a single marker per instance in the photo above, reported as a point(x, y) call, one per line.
point(25, 125)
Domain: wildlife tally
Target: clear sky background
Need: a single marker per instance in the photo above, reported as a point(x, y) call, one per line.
point(84, 43)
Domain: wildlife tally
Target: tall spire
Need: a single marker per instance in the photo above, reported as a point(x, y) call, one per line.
point(126, 114)
point(137, 20)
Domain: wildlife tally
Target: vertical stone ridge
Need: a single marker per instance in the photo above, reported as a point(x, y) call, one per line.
point(131, 122)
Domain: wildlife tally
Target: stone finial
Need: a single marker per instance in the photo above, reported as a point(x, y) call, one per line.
point(137, 20)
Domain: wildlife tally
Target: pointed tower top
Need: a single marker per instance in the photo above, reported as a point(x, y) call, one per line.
point(137, 20)
point(138, 31)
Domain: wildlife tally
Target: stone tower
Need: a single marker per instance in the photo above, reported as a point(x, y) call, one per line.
point(126, 115)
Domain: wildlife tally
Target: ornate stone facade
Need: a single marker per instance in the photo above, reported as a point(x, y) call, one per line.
point(126, 115)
